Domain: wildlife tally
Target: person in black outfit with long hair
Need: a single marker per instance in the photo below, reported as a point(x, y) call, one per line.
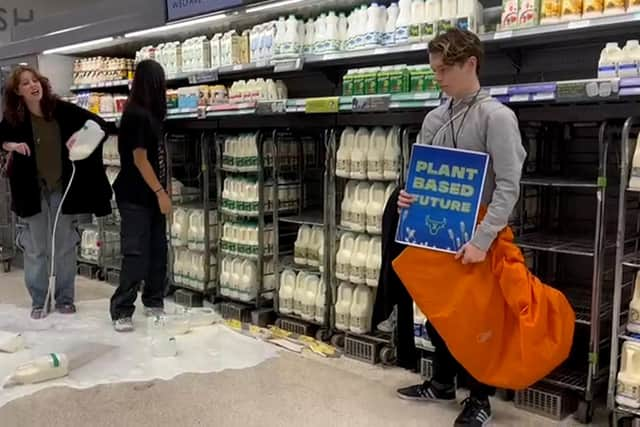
point(142, 197)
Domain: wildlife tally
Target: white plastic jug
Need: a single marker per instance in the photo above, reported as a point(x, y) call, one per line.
point(45, 368)
point(343, 306)
point(249, 283)
point(359, 154)
point(236, 279)
point(375, 208)
point(375, 154)
point(343, 257)
point(610, 58)
point(358, 269)
point(392, 154)
point(359, 207)
point(346, 218)
point(634, 182)
point(633, 325)
point(361, 310)
point(343, 156)
point(403, 22)
point(311, 285)
point(194, 236)
point(320, 301)
point(389, 37)
point(180, 227)
point(417, 16)
point(630, 59)
point(225, 276)
point(628, 390)
point(287, 290)
point(301, 246)
point(299, 293)
point(374, 261)
point(316, 241)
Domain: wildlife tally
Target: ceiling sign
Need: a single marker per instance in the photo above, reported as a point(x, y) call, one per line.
point(180, 9)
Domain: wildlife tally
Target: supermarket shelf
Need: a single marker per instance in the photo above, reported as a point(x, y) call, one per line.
point(288, 263)
point(299, 318)
point(116, 84)
point(309, 218)
point(252, 257)
point(580, 299)
point(632, 260)
point(549, 242)
point(568, 379)
point(627, 411)
point(350, 230)
point(559, 182)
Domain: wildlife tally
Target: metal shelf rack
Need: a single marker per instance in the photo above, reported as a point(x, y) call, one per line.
point(627, 261)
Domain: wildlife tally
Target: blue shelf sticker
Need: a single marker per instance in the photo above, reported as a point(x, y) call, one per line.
point(180, 9)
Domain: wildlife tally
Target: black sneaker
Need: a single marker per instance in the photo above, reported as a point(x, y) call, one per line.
point(428, 392)
point(476, 413)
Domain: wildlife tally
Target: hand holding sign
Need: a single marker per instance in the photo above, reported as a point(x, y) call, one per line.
point(439, 208)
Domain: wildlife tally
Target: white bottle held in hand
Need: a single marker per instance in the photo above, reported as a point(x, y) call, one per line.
point(343, 157)
point(343, 258)
point(375, 154)
point(358, 269)
point(361, 310)
point(359, 154)
point(343, 306)
point(374, 261)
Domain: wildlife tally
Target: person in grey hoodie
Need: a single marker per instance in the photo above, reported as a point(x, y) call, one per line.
point(469, 120)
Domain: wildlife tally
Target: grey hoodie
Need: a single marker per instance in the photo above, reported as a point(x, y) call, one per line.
point(491, 128)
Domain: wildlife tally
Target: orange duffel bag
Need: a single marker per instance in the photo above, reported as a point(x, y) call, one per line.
point(503, 325)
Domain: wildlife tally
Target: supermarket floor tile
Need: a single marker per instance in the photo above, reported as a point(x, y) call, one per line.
point(291, 390)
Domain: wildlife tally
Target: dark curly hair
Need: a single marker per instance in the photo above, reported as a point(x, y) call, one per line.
point(457, 46)
point(14, 107)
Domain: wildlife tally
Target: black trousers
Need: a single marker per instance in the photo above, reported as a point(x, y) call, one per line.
point(446, 368)
point(144, 259)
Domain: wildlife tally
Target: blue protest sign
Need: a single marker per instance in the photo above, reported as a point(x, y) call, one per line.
point(447, 184)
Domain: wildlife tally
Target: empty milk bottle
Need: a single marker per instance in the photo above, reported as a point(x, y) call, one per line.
point(301, 246)
point(392, 155)
point(358, 268)
point(375, 208)
point(347, 219)
point(630, 59)
point(403, 22)
point(312, 286)
point(374, 260)
point(375, 153)
point(361, 310)
point(633, 325)
point(343, 306)
point(628, 389)
point(359, 207)
point(359, 154)
point(343, 156)
point(610, 58)
point(299, 293)
point(320, 301)
point(389, 36)
point(45, 368)
point(343, 257)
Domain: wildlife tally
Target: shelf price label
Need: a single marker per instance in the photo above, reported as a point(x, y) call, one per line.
point(288, 66)
point(501, 35)
point(375, 103)
point(329, 104)
point(574, 25)
point(267, 108)
point(204, 77)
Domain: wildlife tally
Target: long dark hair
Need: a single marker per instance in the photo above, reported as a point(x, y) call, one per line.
point(149, 88)
point(14, 106)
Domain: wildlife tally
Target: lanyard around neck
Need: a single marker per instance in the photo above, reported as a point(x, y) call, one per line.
point(455, 134)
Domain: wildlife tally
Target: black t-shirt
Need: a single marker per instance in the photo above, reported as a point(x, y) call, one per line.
point(139, 129)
